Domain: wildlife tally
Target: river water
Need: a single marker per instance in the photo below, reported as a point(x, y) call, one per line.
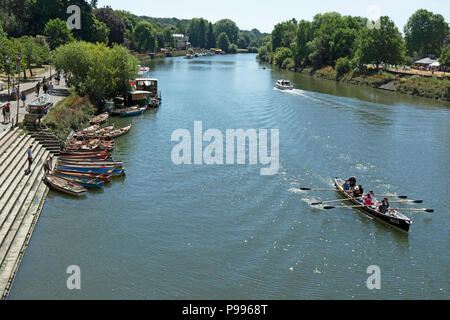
point(170, 231)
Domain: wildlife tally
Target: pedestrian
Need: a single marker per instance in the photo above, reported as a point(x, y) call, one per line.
point(7, 112)
point(48, 165)
point(23, 98)
point(51, 88)
point(44, 87)
point(38, 88)
point(4, 114)
point(30, 158)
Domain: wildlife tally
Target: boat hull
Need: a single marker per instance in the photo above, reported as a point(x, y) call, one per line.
point(399, 224)
point(108, 171)
point(87, 183)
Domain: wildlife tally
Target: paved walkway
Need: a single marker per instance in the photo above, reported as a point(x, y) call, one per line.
point(60, 91)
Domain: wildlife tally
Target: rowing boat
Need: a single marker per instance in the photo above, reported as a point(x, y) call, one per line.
point(91, 164)
point(95, 154)
point(133, 111)
point(108, 171)
point(392, 217)
point(65, 186)
point(85, 182)
point(119, 132)
point(100, 119)
point(101, 177)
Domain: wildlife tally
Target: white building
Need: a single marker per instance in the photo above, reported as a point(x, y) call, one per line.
point(181, 41)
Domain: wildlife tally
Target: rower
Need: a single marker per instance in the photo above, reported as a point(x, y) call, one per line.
point(372, 196)
point(384, 207)
point(368, 200)
point(352, 182)
point(361, 190)
point(346, 186)
point(356, 193)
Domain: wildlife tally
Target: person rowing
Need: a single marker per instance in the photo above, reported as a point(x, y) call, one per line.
point(368, 200)
point(349, 184)
point(372, 195)
point(383, 208)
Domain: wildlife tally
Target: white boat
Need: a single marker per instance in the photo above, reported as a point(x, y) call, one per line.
point(284, 84)
point(40, 104)
point(188, 56)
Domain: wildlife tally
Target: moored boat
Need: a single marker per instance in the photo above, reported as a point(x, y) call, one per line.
point(391, 217)
point(101, 177)
point(132, 111)
point(99, 119)
point(40, 104)
point(85, 182)
point(108, 171)
point(119, 132)
point(65, 186)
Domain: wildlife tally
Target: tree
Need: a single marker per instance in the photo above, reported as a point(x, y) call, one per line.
point(444, 59)
point(114, 23)
point(382, 44)
point(179, 27)
point(425, 33)
point(99, 32)
point(283, 34)
point(197, 32)
point(223, 42)
point(227, 26)
point(57, 33)
point(280, 55)
point(210, 37)
point(145, 37)
point(303, 35)
point(241, 43)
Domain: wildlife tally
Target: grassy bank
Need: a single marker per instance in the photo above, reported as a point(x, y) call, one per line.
point(72, 113)
point(429, 87)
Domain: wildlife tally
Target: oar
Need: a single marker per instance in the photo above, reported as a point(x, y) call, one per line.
point(406, 201)
point(390, 196)
point(316, 189)
point(328, 201)
point(355, 206)
point(421, 209)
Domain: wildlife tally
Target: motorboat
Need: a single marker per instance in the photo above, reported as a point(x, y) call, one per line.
point(284, 84)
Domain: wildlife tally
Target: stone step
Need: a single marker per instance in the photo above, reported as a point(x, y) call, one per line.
point(7, 140)
point(11, 146)
point(21, 240)
point(11, 189)
point(19, 209)
point(9, 161)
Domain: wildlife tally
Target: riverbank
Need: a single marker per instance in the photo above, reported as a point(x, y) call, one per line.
point(428, 87)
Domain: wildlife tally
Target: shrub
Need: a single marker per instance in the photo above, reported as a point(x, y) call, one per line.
point(233, 48)
point(281, 54)
point(342, 66)
point(288, 63)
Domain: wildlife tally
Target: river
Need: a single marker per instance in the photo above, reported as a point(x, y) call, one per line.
point(169, 231)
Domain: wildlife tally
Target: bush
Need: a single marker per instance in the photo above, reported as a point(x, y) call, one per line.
point(342, 66)
point(253, 50)
point(288, 63)
point(233, 48)
point(281, 54)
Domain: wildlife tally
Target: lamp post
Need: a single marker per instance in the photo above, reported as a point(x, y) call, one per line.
point(7, 65)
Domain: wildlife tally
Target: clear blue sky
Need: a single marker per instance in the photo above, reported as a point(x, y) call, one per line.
point(264, 14)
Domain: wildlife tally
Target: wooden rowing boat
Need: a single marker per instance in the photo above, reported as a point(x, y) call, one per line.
point(101, 177)
point(133, 111)
point(92, 164)
point(85, 182)
point(65, 186)
point(108, 171)
point(99, 119)
point(95, 154)
point(392, 217)
point(119, 132)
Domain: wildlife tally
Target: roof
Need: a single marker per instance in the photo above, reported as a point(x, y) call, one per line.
point(426, 60)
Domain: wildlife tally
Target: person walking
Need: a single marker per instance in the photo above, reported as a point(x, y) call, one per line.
point(7, 112)
point(4, 114)
point(50, 89)
point(44, 87)
point(23, 98)
point(30, 158)
point(38, 88)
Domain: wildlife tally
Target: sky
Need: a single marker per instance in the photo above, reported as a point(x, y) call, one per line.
point(264, 14)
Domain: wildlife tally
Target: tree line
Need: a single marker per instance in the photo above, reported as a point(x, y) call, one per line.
point(345, 42)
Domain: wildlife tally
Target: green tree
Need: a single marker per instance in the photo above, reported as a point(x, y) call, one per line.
point(241, 43)
point(304, 34)
point(382, 44)
point(99, 32)
point(342, 66)
point(229, 27)
point(197, 32)
point(57, 33)
point(283, 34)
point(114, 23)
point(280, 55)
point(425, 33)
point(444, 59)
point(233, 48)
point(223, 42)
point(145, 37)
point(210, 37)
